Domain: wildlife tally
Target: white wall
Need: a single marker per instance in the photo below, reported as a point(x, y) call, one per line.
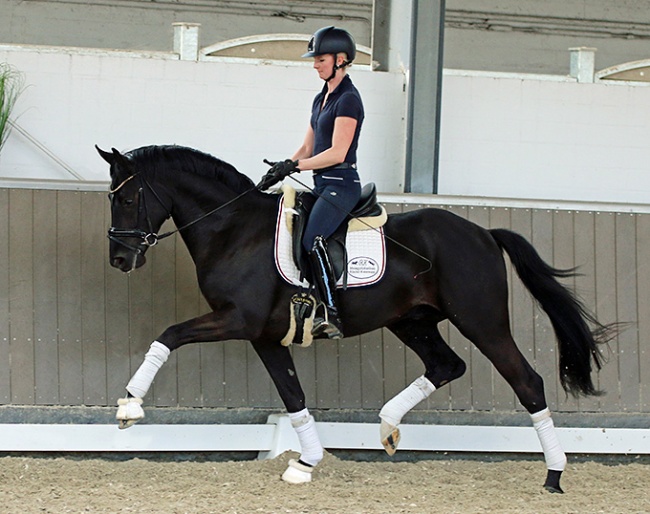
point(511, 136)
point(544, 137)
point(239, 112)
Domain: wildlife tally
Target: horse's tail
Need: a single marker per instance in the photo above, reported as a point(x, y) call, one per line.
point(578, 344)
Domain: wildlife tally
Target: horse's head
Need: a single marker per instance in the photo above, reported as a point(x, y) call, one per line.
point(137, 212)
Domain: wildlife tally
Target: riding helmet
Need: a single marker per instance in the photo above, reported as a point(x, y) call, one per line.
point(332, 40)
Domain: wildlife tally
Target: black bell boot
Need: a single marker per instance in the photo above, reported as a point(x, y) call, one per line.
point(325, 283)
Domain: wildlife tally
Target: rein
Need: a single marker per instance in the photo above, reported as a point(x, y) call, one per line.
point(203, 216)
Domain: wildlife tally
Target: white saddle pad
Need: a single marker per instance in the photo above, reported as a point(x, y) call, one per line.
point(366, 254)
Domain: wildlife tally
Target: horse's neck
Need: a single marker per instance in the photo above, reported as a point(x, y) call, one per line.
point(193, 196)
point(217, 221)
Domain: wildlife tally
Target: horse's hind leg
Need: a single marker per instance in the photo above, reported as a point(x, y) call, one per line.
point(279, 364)
point(529, 388)
point(477, 304)
point(442, 365)
point(495, 341)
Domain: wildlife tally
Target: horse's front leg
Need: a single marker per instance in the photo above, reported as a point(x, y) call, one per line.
point(279, 363)
point(209, 327)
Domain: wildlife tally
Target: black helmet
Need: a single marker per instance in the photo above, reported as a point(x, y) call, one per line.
point(332, 40)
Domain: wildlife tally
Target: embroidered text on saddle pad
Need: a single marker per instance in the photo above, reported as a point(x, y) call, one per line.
point(366, 254)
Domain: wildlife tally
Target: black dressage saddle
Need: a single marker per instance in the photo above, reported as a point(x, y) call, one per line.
point(366, 207)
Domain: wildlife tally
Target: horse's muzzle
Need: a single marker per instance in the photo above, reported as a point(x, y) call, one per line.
point(128, 263)
point(125, 254)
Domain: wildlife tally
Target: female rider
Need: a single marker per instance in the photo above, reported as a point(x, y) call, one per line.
point(330, 150)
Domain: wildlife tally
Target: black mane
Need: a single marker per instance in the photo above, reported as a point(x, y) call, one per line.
point(155, 159)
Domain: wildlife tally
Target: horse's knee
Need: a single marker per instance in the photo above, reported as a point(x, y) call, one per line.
point(170, 337)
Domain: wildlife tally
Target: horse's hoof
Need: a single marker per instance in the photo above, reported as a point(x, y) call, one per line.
point(129, 412)
point(297, 473)
point(552, 484)
point(126, 423)
point(390, 437)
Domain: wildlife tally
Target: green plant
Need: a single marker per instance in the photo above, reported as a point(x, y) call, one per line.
point(12, 84)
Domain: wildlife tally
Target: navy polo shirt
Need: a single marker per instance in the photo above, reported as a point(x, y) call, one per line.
point(345, 100)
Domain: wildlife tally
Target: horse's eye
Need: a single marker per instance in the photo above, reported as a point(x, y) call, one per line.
point(127, 202)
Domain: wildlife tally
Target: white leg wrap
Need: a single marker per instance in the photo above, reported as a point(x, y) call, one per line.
point(553, 454)
point(398, 406)
point(153, 360)
point(311, 449)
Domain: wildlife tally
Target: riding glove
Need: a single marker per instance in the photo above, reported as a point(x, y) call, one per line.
point(278, 172)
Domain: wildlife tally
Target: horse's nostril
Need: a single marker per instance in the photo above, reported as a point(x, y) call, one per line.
point(117, 262)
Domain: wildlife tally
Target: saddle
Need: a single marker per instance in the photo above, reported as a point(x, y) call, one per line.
point(292, 261)
point(367, 214)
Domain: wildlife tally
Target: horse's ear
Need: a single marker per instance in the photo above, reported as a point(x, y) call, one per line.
point(107, 156)
point(122, 160)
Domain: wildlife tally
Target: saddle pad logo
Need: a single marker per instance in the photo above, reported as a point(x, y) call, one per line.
point(363, 268)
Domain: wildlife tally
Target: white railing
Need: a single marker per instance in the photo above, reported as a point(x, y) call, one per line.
point(277, 436)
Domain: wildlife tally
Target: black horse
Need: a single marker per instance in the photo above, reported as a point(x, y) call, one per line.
point(444, 267)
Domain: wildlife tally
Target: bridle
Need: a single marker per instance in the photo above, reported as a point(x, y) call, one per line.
point(150, 238)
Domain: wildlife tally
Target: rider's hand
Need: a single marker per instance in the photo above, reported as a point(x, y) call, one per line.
point(284, 168)
point(278, 172)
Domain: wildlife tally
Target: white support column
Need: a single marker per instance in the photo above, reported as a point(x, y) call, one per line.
point(391, 35)
point(583, 62)
point(186, 40)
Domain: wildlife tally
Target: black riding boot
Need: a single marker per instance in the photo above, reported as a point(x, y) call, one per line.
point(325, 284)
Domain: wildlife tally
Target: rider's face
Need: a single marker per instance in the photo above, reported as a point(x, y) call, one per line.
point(324, 64)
